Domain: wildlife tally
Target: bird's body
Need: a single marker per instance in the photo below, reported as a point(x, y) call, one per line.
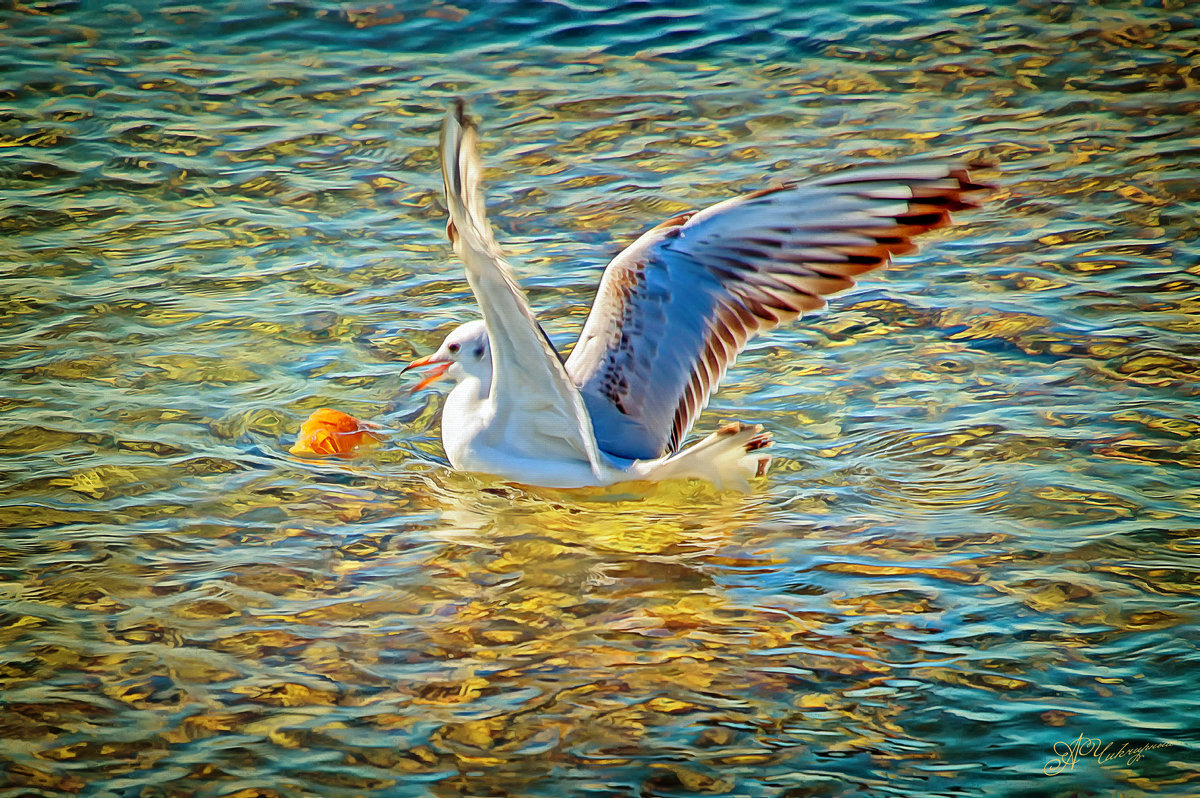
point(671, 313)
point(489, 433)
point(477, 437)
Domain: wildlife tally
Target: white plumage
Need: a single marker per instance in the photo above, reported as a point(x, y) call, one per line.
point(672, 312)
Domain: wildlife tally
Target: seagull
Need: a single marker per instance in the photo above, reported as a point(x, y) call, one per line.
point(671, 313)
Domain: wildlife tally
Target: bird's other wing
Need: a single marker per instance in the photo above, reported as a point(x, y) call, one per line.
point(676, 307)
point(530, 388)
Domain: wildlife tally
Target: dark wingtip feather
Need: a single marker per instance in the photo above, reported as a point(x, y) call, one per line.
point(967, 185)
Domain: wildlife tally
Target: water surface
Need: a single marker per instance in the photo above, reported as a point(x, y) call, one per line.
point(979, 537)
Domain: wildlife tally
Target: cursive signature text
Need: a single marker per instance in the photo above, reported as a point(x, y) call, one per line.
point(1066, 754)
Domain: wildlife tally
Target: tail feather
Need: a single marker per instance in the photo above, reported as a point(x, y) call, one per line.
point(728, 458)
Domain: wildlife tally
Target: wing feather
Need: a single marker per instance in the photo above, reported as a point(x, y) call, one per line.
point(677, 306)
point(531, 392)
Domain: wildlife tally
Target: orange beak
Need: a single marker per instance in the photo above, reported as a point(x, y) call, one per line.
point(440, 367)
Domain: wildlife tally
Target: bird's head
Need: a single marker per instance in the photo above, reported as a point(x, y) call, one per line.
point(466, 352)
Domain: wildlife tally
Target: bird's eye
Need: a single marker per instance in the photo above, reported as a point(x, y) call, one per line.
point(453, 348)
point(479, 352)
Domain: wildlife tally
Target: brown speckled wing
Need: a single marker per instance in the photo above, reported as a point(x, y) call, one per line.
point(678, 305)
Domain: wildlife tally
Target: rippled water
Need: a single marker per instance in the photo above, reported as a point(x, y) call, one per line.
point(979, 538)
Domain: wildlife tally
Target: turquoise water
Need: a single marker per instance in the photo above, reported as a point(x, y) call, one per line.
point(979, 537)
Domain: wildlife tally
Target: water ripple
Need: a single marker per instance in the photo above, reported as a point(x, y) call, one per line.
point(978, 537)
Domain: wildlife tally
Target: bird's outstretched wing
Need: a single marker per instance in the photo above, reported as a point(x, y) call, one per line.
point(677, 306)
point(537, 407)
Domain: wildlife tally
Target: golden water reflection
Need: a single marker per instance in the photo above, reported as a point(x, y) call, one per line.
point(544, 632)
point(978, 537)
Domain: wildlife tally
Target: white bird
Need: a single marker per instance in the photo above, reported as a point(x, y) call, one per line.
point(672, 312)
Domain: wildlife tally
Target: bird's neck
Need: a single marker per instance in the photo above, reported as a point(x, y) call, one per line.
point(473, 388)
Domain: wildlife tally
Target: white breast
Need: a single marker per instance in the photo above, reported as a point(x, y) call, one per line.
point(465, 418)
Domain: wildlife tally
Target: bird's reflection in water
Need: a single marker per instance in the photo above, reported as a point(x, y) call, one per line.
point(608, 628)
